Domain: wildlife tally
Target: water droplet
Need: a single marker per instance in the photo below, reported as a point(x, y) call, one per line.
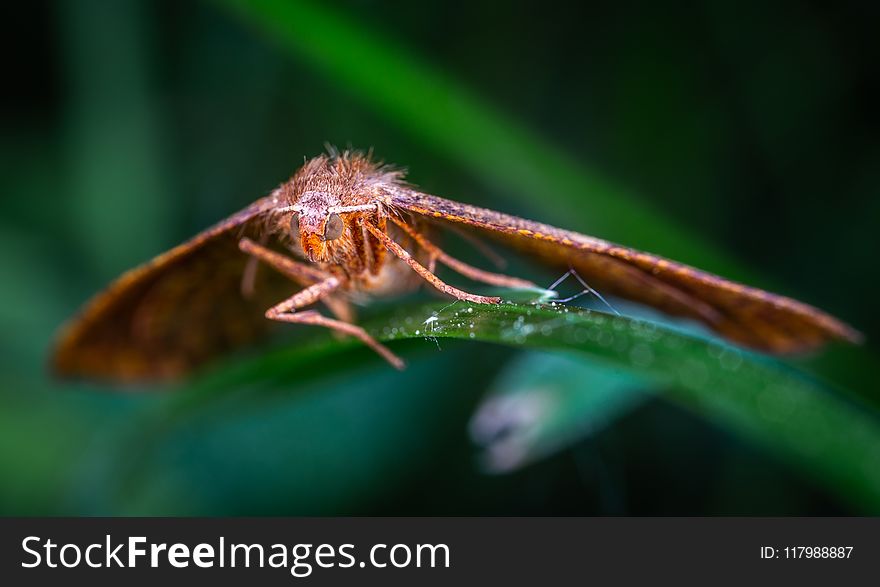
point(581, 335)
point(730, 359)
point(641, 355)
point(714, 349)
point(693, 373)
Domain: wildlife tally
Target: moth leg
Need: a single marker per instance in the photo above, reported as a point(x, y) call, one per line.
point(304, 297)
point(249, 275)
point(379, 252)
point(459, 266)
point(424, 273)
point(285, 312)
point(298, 272)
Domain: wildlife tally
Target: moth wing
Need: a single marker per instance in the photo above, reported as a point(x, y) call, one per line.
point(746, 315)
point(175, 312)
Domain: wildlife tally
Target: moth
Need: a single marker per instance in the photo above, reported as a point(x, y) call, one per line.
point(345, 229)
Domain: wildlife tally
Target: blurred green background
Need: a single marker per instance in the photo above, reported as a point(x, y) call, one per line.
point(740, 137)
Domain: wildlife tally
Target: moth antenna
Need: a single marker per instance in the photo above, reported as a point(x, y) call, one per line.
point(572, 298)
point(587, 289)
point(560, 280)
point(593, 291)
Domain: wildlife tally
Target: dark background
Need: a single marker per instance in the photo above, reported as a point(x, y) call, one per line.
point(745, 135)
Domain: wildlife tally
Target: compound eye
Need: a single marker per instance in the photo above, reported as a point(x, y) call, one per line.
point(294, 224)
point(333, 228)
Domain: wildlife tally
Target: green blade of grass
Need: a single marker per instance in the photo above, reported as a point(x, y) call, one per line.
point(833, 440)
point(830, 439)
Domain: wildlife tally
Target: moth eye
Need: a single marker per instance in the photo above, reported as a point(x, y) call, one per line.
point(333, 228)
point(294, 224)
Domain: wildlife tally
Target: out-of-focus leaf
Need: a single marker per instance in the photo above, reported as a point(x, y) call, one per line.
point(543, 402)
point(46, 436)
point(443, 113)
point(304, 430)
point(116, 143)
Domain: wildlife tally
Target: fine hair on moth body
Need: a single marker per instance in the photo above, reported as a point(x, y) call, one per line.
point(346, 229)
point(345, 232)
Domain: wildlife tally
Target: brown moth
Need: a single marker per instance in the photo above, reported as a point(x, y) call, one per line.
point(345, 228)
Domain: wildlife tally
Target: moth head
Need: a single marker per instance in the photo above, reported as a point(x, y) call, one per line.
point(320, 223)
point(316, 232)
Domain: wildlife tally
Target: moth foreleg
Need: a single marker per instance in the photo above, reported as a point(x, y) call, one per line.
point(249, 275)
point(316, 319)
point(461, 267)
point(298, 272)
point(305, 297)
point(428, 276)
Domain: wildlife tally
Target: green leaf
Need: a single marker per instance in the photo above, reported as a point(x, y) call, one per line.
point(303, 387)
point(763, 400)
